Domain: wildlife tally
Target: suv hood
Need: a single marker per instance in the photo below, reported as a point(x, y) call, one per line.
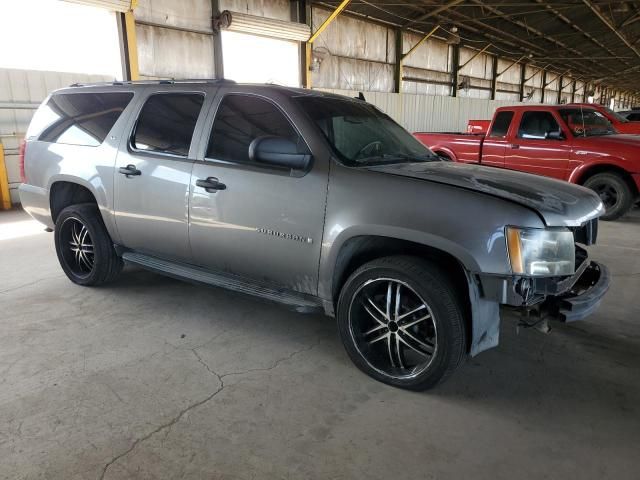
point(558, 203)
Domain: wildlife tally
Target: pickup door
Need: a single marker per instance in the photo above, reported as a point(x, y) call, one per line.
point(530, 149)
point(256, 221)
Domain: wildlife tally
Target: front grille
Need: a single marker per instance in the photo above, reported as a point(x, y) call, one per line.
point(587, 233)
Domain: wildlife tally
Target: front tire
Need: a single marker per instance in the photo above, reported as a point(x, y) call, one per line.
point(401, 322)
point(84, 248)
point(615, 193)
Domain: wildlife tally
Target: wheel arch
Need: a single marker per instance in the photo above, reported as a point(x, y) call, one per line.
point(445, 152)
point(63, 193)
point(582, 174)
point(361, 249)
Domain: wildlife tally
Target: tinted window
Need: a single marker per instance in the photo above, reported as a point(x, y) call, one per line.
point(501, 124)
point(633, 117)
point(78, 118)
point(240, 120)
point(166, 123)
point(536, 125)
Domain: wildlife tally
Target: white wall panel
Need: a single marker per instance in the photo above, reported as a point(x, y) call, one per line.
point(192, 14)
point(432, 54)
point(430, 112)
point(168, 53)
point(356, 54)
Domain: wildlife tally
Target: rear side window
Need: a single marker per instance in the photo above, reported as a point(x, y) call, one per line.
point(501, 124)
point(78, 118)
point(536, 125)
point(240, 120)
point(166, 123)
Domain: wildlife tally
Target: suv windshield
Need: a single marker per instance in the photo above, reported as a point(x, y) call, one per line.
point(586, 122)
point(362, 135)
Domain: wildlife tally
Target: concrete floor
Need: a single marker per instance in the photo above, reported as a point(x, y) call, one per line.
point(153, 378)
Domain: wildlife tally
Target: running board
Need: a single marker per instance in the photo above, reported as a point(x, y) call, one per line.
point(300, 302)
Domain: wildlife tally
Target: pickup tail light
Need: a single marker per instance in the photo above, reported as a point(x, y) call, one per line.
point(21, 152)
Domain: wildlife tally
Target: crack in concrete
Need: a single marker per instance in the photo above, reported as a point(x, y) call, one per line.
point(18, 287)
point(177, 418)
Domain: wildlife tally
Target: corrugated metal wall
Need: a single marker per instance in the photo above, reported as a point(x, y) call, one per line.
point(27, 89)
point(174, 39)
point(430, 113)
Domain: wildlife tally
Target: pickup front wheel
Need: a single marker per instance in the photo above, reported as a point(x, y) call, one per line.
point(83, 245)
point(615, 193)
point(401, 322)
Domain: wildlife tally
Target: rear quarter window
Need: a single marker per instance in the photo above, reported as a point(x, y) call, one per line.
point(78, 118)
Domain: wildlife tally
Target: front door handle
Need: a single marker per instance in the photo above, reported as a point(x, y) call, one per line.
point(210, 184)
point(129, 170)
point(514, 146)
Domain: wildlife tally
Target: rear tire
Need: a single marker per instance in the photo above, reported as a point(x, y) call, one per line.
point(84, 248)
point(614, 191)
point(402, 323)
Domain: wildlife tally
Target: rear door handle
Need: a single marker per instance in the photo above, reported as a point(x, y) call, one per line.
point(514, 146)
point(129, 170)
point(210, 184)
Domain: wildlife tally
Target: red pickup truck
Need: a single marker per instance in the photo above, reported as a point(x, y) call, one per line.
point(569, 142)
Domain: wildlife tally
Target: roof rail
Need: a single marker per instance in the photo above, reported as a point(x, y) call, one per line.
point(154, 82)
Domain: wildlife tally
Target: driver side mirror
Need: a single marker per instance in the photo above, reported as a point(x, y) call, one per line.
point(557, 135)
point(278, 152)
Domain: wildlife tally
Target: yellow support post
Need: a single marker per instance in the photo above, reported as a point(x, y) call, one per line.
point(132, 44)
point(309, 44)
point(5, 195)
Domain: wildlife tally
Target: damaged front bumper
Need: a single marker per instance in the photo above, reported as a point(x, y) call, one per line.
point(564, 299)
point(582, 298)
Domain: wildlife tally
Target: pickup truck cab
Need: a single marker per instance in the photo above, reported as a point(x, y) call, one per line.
point(572, 143)
point(315, 201)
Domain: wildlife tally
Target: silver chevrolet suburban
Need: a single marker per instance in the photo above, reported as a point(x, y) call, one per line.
point(315, 201)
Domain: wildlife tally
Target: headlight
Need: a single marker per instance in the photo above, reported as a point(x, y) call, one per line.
point(540, 252)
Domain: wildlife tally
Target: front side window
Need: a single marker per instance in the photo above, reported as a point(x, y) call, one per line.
point(78, 118)
point(586, 122)
point(241, 119)
point(537, 125)
point(360, 134)
point(501, 124)
point(633, 117)
point(166, 123)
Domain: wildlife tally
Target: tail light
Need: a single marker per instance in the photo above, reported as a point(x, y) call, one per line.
point(21, 152)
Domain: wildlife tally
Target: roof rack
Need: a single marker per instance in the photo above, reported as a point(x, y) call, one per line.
point(154, 82)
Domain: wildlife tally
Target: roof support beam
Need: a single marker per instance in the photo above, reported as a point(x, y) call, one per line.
point(433, 12)
point(400, 57)
point(607, 21)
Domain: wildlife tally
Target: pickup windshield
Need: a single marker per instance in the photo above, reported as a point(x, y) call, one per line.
point(615, 115)
point(362, 135)
point(586, 122)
